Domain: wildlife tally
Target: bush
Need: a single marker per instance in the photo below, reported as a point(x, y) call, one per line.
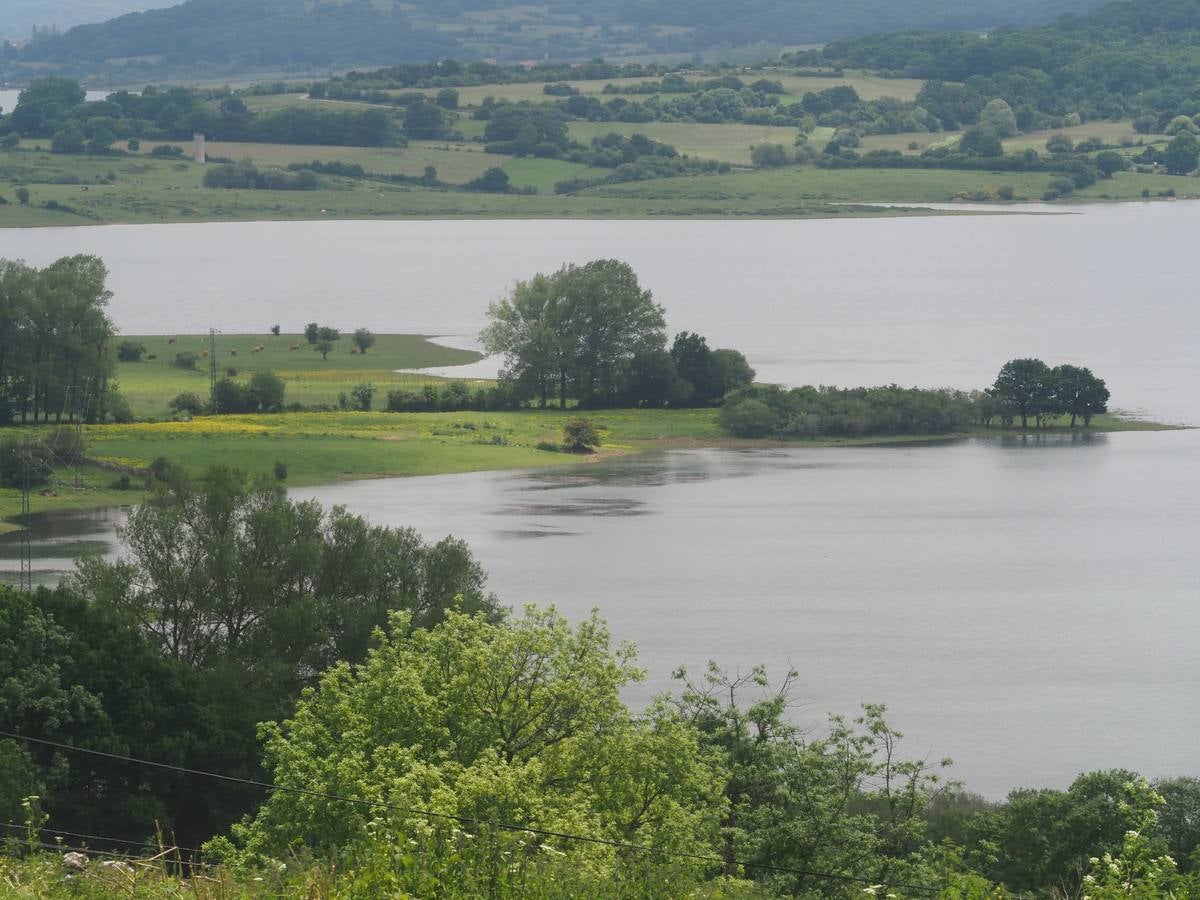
point(766, 156)
point(167, 151)
point(134, 145)
point(22, 196)
point(185, 360)
point(281, 471)
point(580, 435)
point(493, 181)
point(746, 418)
point(130, 351)
point(187, 403)
point(362, 395)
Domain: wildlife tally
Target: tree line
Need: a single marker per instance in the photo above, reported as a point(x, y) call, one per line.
point(592, 335)
point(55, 343)
point(1024, 389)
point(57, 108)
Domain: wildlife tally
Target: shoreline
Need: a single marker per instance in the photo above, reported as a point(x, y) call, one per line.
point(249, 434)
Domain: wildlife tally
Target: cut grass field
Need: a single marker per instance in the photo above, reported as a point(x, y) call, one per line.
point(149, 385)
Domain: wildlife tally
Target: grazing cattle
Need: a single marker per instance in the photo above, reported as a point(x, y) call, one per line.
point(233, 353)
point(353, 350)
point(204, 353)
point(294, 347)
point(170, 340)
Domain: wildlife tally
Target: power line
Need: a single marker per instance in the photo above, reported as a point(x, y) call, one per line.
point(468, 820)
point(99, 837)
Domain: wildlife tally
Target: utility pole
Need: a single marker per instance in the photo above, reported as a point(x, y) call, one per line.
point(26, 546)
point(82, 399)
point(212, 369)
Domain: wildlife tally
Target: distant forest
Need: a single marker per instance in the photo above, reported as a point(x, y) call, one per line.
point(227, 36)
point(1135, 58)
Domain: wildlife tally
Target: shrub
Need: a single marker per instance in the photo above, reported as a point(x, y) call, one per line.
point(766, 156)
point(22, 196)
point(580, 435)
point(747, 418)
point(130, 351)
point(362, 396)
point(185, 360)
point(187, 403)
point(167, 151)
point(281, 471)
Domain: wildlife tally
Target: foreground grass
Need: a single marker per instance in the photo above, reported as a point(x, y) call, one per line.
point(149, 385)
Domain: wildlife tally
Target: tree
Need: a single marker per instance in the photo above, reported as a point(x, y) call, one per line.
point(608, 318)
point(980, 141)
point(845, 800)
point(1078, 392)
point(131, 351)
point(696, 366)
point(42, 107)
point(527, 328)
point(325, 338)
point(518, 722)
point(1000, 118)
point(1182, 155)
point(1043, 838)
point(1026, 386)
point(265, 392)
point(1110, 162)
point(363, 339)
point(493, 181)
point(186, 403)
point(362, 395)
point(275, 330)
point(55, 336)
point(447, 98)
point(767, 156)
point(69, 140)
point(311, 332)
point(101, 142)
point(580, 435)
point(1178, 820)
point(229, 571)
point(22, 196)
point(423, 119)
point(733, 370)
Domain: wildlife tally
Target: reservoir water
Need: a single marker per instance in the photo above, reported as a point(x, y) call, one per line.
point(1028, 607)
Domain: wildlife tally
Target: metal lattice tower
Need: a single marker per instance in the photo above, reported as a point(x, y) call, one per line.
point(26, 545)
point(212, 369)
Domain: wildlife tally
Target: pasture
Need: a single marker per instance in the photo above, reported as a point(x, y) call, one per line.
point(150, 384)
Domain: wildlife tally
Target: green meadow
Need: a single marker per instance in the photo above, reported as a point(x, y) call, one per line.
point(312, 381)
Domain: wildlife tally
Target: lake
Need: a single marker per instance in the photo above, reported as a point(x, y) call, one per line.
point(1028, 607)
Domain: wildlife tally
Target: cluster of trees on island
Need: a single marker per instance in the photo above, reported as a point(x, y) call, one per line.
point(1024, 389)
point(429, 741)
point(591, 334)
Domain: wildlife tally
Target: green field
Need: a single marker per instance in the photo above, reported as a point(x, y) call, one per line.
point(456, 163)
point(150, 384)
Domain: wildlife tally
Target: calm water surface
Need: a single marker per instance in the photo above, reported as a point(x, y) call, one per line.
point(1027, 607)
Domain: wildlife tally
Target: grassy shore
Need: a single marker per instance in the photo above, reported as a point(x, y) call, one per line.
point(322, 448)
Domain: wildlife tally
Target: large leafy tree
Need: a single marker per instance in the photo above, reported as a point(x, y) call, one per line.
point(1026, 386)
point(55, 338)
point(1078, 392)
point(518, 722)
point(231, 571)
point(577, 330)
